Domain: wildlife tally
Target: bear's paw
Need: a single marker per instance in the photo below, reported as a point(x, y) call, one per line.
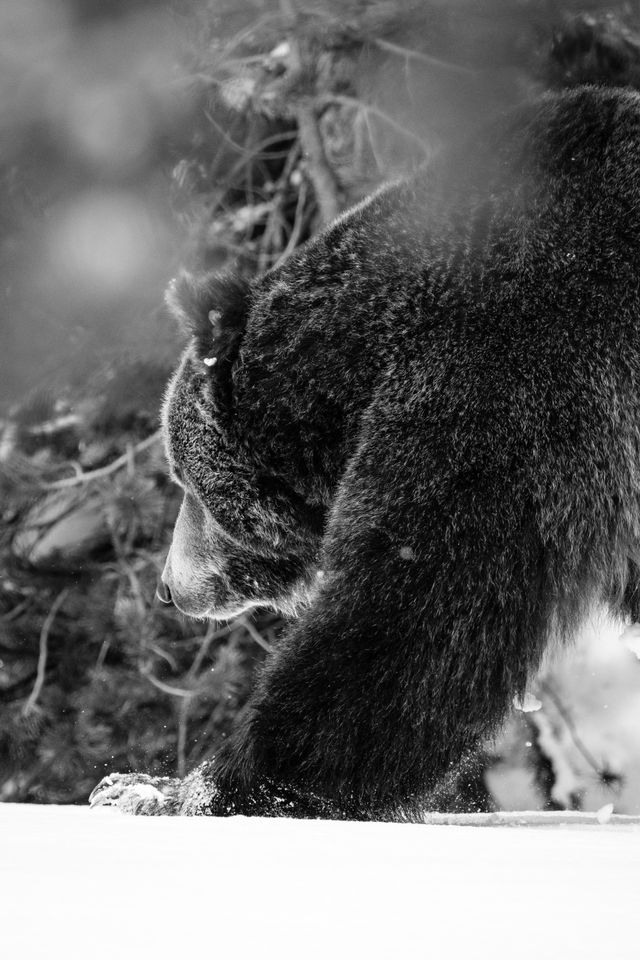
point(136, 793)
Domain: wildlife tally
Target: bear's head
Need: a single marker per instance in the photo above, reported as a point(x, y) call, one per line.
point(242, 537)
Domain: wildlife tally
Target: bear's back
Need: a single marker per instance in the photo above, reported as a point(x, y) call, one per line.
point(510, 262)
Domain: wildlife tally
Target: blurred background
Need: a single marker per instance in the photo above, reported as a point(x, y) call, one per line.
point(137, 137)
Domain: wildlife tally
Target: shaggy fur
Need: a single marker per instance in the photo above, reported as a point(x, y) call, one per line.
point(430, 429)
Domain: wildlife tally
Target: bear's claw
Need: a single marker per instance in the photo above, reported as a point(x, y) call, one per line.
point(136, 793)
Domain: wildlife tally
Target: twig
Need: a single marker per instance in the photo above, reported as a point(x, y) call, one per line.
point(546, 687)
point(164, 655)
point(181, 745)
point(272, 236)
point(16, 611)
point(145, 670)
point(131, 467)
point(276, 222)
point(186, 696)
point(321, 174)
point(247, 33)
point(104, 649)
point(257, 152)
point(408, 54)
point(51, 427)
point(211, 633)
point(123, 461)
point(254, 634)
point(185, 704)
point(132, 577)
point(298, 222)
point(370, 108)
point(249, 159)
point(372, 139)
point(42, 657)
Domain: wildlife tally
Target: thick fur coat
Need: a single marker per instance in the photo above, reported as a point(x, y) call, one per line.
point(421, 435)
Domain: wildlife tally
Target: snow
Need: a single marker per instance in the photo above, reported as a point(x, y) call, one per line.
point(76, 883)
point(631, 639)
point(527, 704)
point(603, 815)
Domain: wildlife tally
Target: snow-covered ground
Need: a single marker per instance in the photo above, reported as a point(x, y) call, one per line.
point(92, 884)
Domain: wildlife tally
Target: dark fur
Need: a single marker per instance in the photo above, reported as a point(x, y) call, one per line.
point(437, 403)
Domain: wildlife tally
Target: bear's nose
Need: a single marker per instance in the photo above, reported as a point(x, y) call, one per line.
point(163, 593)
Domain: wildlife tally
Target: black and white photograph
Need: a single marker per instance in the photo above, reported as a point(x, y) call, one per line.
point(319, 479)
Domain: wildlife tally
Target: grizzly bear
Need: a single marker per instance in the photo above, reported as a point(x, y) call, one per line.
point(419, 438)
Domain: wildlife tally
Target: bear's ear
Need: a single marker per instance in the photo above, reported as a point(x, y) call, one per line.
point(213, 308)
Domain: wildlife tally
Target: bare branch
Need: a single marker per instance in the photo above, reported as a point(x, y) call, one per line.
point(298, 222)
point(181, 738)
point(547, 688)
point(42, 657)
point(15, 612)
point(272, 240)
point(370, 108)
point(212, 633)
point(124, 461)
point(409, 54)
point(254, 634)
point(256, 152)
point(145, 670)
point(321, 175)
